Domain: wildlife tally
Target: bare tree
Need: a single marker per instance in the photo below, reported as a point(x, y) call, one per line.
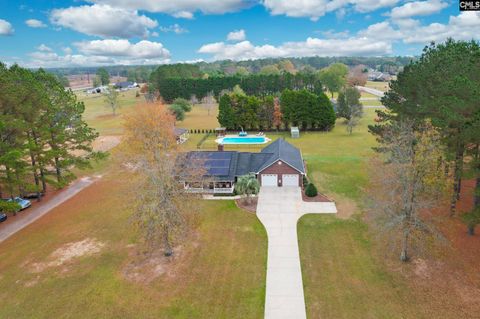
point(405, 183)
point(162, 208)
point(111, 98)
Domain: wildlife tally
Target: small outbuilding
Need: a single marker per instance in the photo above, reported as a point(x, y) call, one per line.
point(295, 132)
point(220, 131)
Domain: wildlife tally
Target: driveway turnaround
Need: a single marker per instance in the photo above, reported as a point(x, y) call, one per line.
point(279, 209)
point(34, 213)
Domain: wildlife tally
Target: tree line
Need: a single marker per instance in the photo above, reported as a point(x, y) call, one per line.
point(429, 132)
point(259, 85)
point(42, 133)
point(298, 108)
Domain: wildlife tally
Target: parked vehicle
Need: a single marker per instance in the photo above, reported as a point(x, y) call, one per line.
point(3, 217)
point(33, 195)
point(24, 203)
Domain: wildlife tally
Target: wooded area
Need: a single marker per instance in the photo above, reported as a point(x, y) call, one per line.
point(42, 133)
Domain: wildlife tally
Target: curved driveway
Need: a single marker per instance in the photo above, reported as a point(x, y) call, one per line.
point(279, 209)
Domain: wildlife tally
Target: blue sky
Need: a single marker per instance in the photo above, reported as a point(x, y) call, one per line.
point(46, 33)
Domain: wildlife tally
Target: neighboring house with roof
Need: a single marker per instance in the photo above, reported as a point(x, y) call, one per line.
point(125, 85)
point(279, 164)
point(181, 134)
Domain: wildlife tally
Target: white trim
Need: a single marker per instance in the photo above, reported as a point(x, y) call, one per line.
point(279, 159)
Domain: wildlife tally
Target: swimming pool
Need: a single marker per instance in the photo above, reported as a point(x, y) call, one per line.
point(249, 139)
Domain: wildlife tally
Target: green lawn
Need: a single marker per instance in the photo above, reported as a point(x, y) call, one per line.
point(221, 273)
point(372, 102)
point(100, 117)
point(382, 86)
point(201, 117)
point(343, 280)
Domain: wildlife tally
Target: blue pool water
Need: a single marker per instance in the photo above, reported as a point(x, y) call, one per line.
point(243, 140)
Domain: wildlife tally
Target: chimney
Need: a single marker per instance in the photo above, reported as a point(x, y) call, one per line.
point(220, 147)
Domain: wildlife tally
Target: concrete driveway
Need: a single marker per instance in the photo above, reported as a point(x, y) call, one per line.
point(279, 209)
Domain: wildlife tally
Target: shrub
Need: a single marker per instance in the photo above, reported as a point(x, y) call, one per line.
point(305, 181)
point(9, 207)
point(311, 190)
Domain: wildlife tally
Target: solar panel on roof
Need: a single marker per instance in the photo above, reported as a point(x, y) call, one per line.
point(220, 155)
point(218, 171)
point(218, 163)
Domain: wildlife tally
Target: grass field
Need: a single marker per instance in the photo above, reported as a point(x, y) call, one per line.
point(372, 102)
point(342, 279)
point(382, 86)
point(220, 273)
point(100, 117)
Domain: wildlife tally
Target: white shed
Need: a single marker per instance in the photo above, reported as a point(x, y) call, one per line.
point(295, 132)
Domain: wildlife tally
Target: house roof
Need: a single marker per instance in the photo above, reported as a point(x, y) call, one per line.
point(219, 165)
point(226, 165)
point(250, 162)
point(124, 84)
point(283, 151)
point(179, 131)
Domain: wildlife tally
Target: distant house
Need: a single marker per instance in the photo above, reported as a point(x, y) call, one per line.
point(378, 76)
point(125, 85)
point(277, 165)
point(181, 134)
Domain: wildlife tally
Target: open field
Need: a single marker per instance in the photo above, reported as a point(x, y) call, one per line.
point(382, 86)
point(76, 262)
point(100, 117)
point(202, 116)
point(372, 102)
point(220, 271)
point(341, 278)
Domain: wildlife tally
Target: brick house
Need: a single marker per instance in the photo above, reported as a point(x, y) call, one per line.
point(277, 165)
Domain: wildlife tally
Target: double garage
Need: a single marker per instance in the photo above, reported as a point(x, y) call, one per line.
point(280, 180)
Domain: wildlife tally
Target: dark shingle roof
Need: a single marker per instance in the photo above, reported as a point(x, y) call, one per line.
point(179, 131)
point(284, 151)
point(226, 165)
point(250, 162)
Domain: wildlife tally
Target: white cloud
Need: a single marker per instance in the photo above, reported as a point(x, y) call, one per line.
point(6, 28)
point(104, 21)
point(42, 47)
point(67, 50)
point(381, 31)
point(311, 47)
point(34, 23)
point(418, 8)
point(410, 31)
point(123, 48)
point(237, 35)
point(314, 9)
point(180, 8)
point(183, 14)
point(176, 28)
point(101, 52)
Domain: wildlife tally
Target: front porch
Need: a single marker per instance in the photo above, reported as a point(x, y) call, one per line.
point(224, 187)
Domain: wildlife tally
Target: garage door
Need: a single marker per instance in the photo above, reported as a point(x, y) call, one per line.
point(269, 180)
point(290, 180)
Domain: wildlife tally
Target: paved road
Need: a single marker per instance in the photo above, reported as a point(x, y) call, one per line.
point(23, 219)
point(370, 90)
point(279, 209)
